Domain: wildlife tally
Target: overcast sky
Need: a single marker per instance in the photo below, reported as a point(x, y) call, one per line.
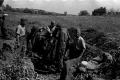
point(71, 6)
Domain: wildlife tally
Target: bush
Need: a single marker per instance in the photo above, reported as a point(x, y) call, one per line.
point(14, 67)
point(84, 13)
point(99, 39)
point(99, 12)
point(16, 70)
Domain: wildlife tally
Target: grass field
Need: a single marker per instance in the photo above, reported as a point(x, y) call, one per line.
point(101, 23)
point(110, 26)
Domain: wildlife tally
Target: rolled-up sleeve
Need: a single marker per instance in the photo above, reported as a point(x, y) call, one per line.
point(18, 31)
point(83, 42)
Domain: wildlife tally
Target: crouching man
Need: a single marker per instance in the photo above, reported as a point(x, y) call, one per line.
point(75, 49)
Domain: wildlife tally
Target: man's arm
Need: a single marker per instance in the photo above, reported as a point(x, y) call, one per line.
point(17, 35)
point(83, 46)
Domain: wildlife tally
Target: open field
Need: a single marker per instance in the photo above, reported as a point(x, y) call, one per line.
point(101, 23)
point(100, 32)
point(106, 24)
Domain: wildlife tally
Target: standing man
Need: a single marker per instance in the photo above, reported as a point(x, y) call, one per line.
point(2, 19)
point(75, 49)
point(55, 54)
point(21, 34)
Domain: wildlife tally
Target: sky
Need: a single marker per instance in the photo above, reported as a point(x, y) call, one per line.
point(60, 6)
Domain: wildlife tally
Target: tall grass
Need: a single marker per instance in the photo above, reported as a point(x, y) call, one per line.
point(106, 24)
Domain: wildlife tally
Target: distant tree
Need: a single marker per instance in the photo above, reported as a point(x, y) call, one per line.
point(19, 10)
point(3, 6)
point(83, 13)
point(65, 13)
point(112, 12)
point(8, 7)
point(26, 10)
point(99, 12)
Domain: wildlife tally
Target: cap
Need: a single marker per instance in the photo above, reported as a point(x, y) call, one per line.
point(23, 20)
point(52, 22)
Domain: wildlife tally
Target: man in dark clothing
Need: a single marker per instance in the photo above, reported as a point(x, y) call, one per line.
point(54, 40)
point(46, 43)
point(2, 19)
point(75, 48)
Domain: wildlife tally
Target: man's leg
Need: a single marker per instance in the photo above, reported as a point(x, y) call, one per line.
point(63, 72)
point(23, 45)
point(3, 32)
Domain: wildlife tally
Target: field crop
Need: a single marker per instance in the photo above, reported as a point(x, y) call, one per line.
point(101, 33)
point(101, 23)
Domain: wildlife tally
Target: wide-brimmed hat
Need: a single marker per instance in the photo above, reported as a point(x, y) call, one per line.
point(2, 15)
point(92, 65)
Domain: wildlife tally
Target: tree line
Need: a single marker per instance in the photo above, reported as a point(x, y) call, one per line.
point(100, 12)
point(8, 8)
point(96, 12)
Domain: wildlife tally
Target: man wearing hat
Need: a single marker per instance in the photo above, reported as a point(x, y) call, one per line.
point(51, 27)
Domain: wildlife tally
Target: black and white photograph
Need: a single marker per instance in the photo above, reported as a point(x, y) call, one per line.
point(59, 40)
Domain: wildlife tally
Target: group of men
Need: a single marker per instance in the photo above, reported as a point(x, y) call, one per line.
point(74, 51)
point(21, 37)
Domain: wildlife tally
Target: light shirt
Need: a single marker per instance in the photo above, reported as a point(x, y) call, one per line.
point(20, 30)
point(51, 30)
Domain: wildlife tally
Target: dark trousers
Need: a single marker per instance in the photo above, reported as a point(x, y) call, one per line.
point(23, 45)
point(3, 30)
point(22, 40)
point(63, 73)
point(69, 68)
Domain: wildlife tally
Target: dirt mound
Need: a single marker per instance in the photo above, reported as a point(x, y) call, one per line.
point(13, 67)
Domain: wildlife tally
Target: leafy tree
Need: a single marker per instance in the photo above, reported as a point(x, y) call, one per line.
point(8, 7)
point(65, 13)
point(84, 13)
point(99, 12)
point(26, 10)
point(112, 12)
